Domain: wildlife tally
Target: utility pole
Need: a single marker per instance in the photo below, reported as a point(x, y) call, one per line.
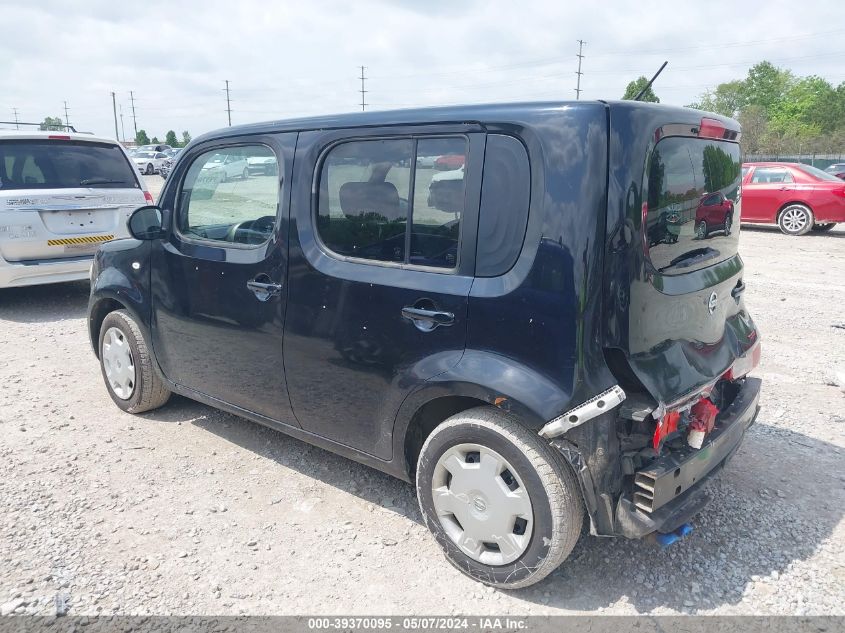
point(15, 110)
point(134, 121)
point(67, 120)
point(363, 92)
point(579, 73)
point(114, 109)
point(122, 129)
point(228, 104)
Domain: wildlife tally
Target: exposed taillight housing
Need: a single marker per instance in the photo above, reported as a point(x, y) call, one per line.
point(744, 364)
point(148, 197)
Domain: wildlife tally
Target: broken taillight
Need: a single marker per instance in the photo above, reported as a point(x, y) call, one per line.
point(148, 197)
point(667, 425)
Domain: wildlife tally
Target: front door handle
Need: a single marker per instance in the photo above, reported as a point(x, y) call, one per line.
point(264, 287)
point(426, 320)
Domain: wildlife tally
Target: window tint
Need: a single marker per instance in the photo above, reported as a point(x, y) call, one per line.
point(63, 164)
point(771, 174)
point(438, 202)
point(364, 201)
point(504, 206)
point(220, 201)
point(693, 204)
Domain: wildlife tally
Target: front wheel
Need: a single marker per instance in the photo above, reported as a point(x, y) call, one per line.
point(505, 508)
point(796, 219)
point(820, 228)
point(127, 365)
point(701, 230)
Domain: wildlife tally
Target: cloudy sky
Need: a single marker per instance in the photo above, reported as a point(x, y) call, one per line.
point(286, 59)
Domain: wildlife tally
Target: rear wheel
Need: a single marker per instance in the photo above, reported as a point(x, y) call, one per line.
point(823, 227)
point(127, 366)
point(502, 504)
point(795, 219)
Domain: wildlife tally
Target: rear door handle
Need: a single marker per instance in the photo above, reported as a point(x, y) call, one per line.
point(264, 287)
point(427, 320)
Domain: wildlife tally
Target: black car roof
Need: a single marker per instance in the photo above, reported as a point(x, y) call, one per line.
point(505, 112)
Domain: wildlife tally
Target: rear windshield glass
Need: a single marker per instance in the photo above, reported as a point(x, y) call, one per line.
point(693, 204)
point(815, 172)
point(58, 164)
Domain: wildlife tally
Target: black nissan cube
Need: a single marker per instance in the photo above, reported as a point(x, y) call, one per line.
point(508, 305)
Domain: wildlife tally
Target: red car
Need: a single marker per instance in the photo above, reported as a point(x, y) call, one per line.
point(796, 197)
point(714, 213)
point(449, 162)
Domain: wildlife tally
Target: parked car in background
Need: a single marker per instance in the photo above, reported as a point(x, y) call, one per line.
point(227, 166)
point(172, 155)
point(149, 162)
point(522, 355)
point(61, 196)
point(449, 162)
point(154, 147)
point(797, 198)
point(715, 212)
point(837, 169)
point(265, 165)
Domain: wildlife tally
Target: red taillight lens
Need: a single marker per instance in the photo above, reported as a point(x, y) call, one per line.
point(58, 137)
point(667, 425)
point(711, 128)
point(148, 197)
point(839, 192)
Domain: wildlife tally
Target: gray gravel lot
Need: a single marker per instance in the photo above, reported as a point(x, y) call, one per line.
point(188, 510)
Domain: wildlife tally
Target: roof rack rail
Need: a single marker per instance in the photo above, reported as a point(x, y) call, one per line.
point(52, 128)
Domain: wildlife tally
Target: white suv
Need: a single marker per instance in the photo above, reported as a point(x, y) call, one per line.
point(61, 196)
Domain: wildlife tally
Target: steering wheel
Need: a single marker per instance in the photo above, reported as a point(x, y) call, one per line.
point(251, 231)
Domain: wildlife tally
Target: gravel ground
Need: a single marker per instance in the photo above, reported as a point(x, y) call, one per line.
point(188, 510)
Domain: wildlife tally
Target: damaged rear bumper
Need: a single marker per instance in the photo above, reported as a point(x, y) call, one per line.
point(671, 490)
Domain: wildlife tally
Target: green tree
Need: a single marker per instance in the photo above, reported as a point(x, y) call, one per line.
point(186, 138)
point(726, 99)
point(636, 86)
point(155, 140)
point(754, 128)
point(141, 138)
point(52, 123)
point(767, 85)
point(170, 139)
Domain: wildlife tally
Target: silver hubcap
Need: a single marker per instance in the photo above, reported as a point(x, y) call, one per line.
point(482, 504)
point(118, 363)
point(794, 219)
point(702, 229)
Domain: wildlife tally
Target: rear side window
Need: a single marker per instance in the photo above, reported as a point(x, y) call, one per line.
point(394, 200)
point(505, 196)
point(765, 175)
point(693, 211)
point(59, 164)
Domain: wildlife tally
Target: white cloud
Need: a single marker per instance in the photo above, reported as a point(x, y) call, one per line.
point(296, 58)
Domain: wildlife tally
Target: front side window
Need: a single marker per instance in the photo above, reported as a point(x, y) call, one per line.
point(220, 201)
point(365, 207)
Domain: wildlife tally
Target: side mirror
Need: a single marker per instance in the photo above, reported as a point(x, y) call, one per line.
point(145, 223)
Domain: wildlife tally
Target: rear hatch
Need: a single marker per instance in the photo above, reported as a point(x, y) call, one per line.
point(61, 198)
point(675, 319)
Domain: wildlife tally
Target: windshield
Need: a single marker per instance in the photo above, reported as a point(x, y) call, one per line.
point(815, 172)
point(49, 164)
point(693, 204)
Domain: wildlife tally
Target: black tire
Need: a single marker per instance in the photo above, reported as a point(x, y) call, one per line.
point(788, 226)
point(150, 169)
point(149, 391)
point(552, 488)
point(821, 228)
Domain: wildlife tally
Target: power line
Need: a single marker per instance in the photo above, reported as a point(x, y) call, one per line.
point(134, 121)
point(363, 92)
point(228, 104)
point(578, 72)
